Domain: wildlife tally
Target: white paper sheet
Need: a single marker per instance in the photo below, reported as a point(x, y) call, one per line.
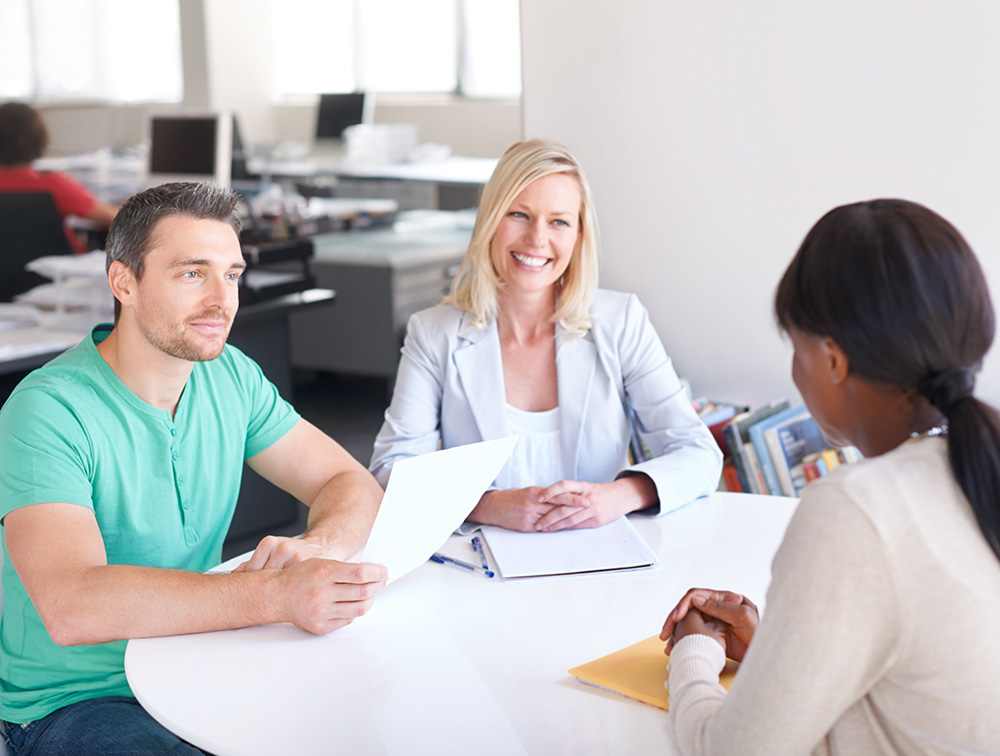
point(427, 497)
point(615, 546)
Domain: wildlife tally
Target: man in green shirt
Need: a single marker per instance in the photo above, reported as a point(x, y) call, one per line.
point(121, 468)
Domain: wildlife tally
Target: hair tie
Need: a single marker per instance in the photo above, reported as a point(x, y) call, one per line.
point(947, 388)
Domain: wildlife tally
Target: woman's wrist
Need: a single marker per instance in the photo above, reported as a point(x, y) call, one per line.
point(480, 514)
point(639, 491)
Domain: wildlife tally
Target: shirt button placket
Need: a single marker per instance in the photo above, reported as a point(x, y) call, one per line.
point(190, 532)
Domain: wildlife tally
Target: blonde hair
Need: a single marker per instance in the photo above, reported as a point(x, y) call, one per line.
point(476, 285)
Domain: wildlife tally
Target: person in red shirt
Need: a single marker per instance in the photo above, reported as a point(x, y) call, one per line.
point(23, 139)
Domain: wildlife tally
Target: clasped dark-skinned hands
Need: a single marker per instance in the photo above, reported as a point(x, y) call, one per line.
point(728, 618)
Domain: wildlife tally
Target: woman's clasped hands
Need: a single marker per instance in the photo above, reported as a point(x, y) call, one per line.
point(564, 505)
point(728, 618)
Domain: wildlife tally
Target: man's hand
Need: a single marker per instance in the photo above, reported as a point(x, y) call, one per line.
point(277, 552)
point(738, 614)
point(322, 595)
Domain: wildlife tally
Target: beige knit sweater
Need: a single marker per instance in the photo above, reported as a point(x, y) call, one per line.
point(881, 633)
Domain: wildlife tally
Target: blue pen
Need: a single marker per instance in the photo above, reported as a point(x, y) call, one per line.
point(442, 559)
point(477, 546)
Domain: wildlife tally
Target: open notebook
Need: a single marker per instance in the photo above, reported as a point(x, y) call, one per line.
point(638, 671)
point(615, 546)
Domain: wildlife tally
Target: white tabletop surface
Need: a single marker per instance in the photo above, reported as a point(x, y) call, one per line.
point(409, 247)
point(26, 331)
point(451, 662)
point(455, 169)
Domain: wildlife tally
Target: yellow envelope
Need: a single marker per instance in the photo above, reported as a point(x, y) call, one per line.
point(639, 671)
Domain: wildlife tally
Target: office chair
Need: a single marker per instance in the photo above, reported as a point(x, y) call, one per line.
point(30, 227)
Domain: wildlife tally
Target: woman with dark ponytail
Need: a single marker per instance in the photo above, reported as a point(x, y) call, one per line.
point(881, 627)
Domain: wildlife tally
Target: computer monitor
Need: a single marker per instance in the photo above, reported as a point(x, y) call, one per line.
point(338, 111)
point(187, 146)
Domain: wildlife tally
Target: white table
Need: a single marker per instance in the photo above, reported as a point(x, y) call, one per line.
point(454, 169)
point(450, 662)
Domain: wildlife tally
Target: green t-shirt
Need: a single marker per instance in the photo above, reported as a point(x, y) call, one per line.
point(163, 491)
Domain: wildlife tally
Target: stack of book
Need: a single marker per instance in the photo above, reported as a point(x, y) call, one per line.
point(717, 415)
point(778, 449)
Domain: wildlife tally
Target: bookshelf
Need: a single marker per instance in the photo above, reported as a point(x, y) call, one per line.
point(777, 449)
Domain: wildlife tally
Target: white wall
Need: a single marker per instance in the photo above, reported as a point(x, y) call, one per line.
point(716, 133)
point(228, 59)
point(238, 63)
point(474, 128)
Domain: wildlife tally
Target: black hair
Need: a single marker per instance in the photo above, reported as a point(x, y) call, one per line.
point(23, 135)
point(902, 294)
point(131, 232)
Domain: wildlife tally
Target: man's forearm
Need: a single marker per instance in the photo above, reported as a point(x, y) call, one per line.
point(117, 602)
point(107, 603)
point(342, 514)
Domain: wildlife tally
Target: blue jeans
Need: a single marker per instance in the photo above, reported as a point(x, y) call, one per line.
point(111, 726)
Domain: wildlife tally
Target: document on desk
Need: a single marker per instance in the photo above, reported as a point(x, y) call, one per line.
point(639, 671)
point(615, 546)
point(427, 498)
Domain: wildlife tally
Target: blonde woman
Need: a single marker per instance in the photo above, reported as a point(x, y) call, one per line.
point(527, 344)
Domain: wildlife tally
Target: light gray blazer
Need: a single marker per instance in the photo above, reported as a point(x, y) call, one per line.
point(450, 389)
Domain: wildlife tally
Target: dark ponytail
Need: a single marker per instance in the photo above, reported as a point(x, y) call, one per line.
point(973, 445)
point(900, 291)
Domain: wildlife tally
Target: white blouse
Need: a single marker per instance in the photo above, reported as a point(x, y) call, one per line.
point(537, 456)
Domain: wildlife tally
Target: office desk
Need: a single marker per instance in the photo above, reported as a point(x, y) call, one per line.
point(449, 183)
point(450, 170)
point(381, 277)
point(449, 662)
point(24, 349)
